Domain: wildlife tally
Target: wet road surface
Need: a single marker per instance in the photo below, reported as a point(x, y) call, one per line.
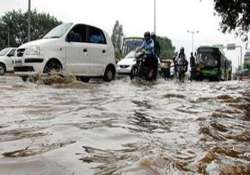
point(124, 128)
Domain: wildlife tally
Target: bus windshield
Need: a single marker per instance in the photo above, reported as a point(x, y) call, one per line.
point(208, 59)
point(130, 44)
point(58, 31)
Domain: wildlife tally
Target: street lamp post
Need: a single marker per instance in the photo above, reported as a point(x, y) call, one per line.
point(193, 32)
point(29, 20)
point(155, 16)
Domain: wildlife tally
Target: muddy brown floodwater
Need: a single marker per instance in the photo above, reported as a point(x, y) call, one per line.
point(124, 128)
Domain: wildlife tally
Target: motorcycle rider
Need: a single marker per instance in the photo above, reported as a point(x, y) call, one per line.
point(183, 59)
point(157, 45)
point(149, 48)
point(157, 53)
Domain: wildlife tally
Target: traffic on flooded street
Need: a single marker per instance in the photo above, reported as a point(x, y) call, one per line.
point(124, 127)
point(124, 88)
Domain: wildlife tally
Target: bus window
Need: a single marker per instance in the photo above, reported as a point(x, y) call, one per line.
point(208, 59)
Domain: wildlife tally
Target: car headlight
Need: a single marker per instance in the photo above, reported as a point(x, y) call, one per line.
point(33, 50)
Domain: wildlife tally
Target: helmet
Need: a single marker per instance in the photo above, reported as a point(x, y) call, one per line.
point(182, 50)
point(153, 36)
point(147, 36)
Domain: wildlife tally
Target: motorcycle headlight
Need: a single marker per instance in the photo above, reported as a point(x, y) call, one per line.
point(33, 50)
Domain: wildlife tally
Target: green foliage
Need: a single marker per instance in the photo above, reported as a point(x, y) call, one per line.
point(15, 23)
point(167, 49)
point(117, 37)
point(235, 15)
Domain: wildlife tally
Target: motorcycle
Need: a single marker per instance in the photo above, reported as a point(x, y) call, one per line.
point(181, 69)
point(141, 71)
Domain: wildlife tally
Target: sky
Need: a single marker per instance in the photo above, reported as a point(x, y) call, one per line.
point(174, 18)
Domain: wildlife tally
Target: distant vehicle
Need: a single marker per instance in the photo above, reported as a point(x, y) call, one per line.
point(167, 68)
point(247, 59)
point(130, 44)
point(82, 50)
point(125, 65)
point(6, 60)
point(243, 74)
point(212, 64)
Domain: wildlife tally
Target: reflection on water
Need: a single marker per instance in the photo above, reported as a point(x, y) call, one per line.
point(124, 128)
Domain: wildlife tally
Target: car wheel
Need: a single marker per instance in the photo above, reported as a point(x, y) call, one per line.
point(2, 69)
point(84, 79)
point(53, 66)
point(109, 74)
point(24, 78)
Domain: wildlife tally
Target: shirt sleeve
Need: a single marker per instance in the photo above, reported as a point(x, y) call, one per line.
point(143, 45)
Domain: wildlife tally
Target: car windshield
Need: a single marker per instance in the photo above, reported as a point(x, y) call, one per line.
point(4, 51)
point(131, 55)
point(208, 59)
point(58, 31)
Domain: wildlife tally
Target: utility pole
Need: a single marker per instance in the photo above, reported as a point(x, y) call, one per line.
point(29, 20)
point(155, 16)
point(193, 32)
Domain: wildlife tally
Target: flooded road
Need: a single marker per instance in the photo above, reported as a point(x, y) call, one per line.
point(124, 128)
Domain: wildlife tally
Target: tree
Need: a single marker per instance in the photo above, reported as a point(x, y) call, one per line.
point(167, 49)
point(15, 24)
point(235, 15)
point(117, 37)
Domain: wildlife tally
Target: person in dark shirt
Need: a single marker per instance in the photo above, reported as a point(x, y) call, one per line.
point(157, 45)
point(157, 49)
point(192, 60)
point(192, 65)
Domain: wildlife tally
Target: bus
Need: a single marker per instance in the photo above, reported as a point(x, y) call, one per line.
point(130, 44)
point(211, 64)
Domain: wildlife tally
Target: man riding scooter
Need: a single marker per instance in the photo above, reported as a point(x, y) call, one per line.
point(181, 64)
point(151, 62)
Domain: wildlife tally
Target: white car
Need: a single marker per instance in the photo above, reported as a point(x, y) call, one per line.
point(82, 50)
point(125, 65)
point(6, 60)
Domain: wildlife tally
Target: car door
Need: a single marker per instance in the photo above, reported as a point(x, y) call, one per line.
point(97, 50)
point(77, 51)
point(9, 59)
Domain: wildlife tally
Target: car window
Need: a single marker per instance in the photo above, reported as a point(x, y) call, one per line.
point(96, 36)
point(12, 53)
point(4, 51)
point(77, 34)
point(58, 31)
